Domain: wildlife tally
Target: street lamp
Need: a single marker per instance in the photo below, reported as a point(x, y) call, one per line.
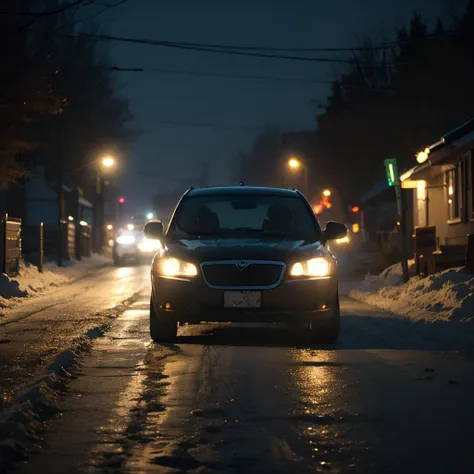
point(108, 161)
point(295, 165)
point(149, 216)
point(326, 192)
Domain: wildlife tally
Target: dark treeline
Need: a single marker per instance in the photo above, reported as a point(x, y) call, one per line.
point(58, 101)
point(393, 100)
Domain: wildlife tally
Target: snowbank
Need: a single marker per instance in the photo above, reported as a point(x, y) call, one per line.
point(445, 296)
point(30, 282)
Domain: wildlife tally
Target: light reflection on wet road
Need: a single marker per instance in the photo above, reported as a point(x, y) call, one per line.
point(237, 398)
point(40, 328)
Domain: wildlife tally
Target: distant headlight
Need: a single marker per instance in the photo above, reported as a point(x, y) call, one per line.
point(125, 240)
point(174, 268)
point(149, 245)
point(316, 267)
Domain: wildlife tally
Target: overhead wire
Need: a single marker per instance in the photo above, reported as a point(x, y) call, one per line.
point(380, 45)
point(186, 72)
point(182, 46)
point(263, 51)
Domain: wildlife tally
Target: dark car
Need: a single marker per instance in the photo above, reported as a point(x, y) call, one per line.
point(244, 254)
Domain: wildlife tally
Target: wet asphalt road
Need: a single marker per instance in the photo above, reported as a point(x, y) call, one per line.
point(246, 399)
point(37, 330)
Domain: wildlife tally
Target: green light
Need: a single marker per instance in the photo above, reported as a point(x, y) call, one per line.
point(149, 215)
point(391, 170)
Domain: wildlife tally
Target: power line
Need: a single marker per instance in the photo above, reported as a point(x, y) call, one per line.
point(238, 76)
point(381, 45)
point(255, 51)
point(223, 51)
point(220, 75)
point(106, 7)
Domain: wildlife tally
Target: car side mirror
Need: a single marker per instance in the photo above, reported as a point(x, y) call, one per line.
point(154, 230)
point(334, 231)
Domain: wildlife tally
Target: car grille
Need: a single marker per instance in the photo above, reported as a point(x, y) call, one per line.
point(255, 275)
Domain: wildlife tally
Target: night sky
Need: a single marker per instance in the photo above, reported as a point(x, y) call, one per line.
point(233, 110)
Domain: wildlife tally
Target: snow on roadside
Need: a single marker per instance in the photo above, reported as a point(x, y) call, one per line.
point(30, 282)
point(445, 296)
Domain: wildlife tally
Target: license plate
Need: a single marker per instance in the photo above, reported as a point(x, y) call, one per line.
point(242, 299)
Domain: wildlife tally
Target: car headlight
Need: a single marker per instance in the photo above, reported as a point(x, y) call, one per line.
point(125, 239)
point(174, 268)
point(316, 267)
point(149, 245)
point(343, 240)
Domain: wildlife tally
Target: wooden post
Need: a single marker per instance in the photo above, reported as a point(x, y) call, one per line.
point(401, 228)
point(470, 253)
point(41, 249)
point(3, 224)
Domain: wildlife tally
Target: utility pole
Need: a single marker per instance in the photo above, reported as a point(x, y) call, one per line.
point(393, 178)
point(98, 205)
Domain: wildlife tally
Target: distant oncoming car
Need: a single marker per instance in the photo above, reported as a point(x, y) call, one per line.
point(244, 254)
point(130, 244)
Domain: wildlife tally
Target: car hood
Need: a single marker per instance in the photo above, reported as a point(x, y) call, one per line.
point(278, 249)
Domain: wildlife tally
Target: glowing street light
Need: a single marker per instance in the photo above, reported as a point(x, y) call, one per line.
point(326, 192)
point(295, 166)
point(108, 161)
point(149, 216)
point(294, 163)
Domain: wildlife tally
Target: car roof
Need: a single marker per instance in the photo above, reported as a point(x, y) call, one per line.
point(243, 190)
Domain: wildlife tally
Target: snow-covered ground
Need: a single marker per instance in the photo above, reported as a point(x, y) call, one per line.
point(445, 296)
point(31, 282)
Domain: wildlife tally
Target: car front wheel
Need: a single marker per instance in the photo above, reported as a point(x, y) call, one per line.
point(161, 329)
point(325, 329)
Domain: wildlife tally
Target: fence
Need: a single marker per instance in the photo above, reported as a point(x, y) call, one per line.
point(76, 239)
point(68, 232)
point(10, 245)
point(430, 257)
point(83, 241)
point(38, 243)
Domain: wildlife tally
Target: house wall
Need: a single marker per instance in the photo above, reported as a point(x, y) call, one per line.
point(437, 206)
point(450, 229)
point(41, 202)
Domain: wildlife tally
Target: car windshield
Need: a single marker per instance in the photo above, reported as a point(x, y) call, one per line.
point(231, 215)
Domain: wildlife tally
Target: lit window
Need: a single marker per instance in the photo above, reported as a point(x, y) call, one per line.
point(452, 178)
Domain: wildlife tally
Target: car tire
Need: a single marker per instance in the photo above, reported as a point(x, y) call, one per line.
point(161, 329)
point(326, 330)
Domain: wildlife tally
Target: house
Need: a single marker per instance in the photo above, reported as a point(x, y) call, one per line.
point(379, 216)
point(36, 201)
point(443, 184)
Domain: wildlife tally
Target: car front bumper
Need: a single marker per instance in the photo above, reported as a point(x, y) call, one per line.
point(290, 302)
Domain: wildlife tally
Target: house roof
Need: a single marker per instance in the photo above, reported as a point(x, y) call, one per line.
point(450, 141)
